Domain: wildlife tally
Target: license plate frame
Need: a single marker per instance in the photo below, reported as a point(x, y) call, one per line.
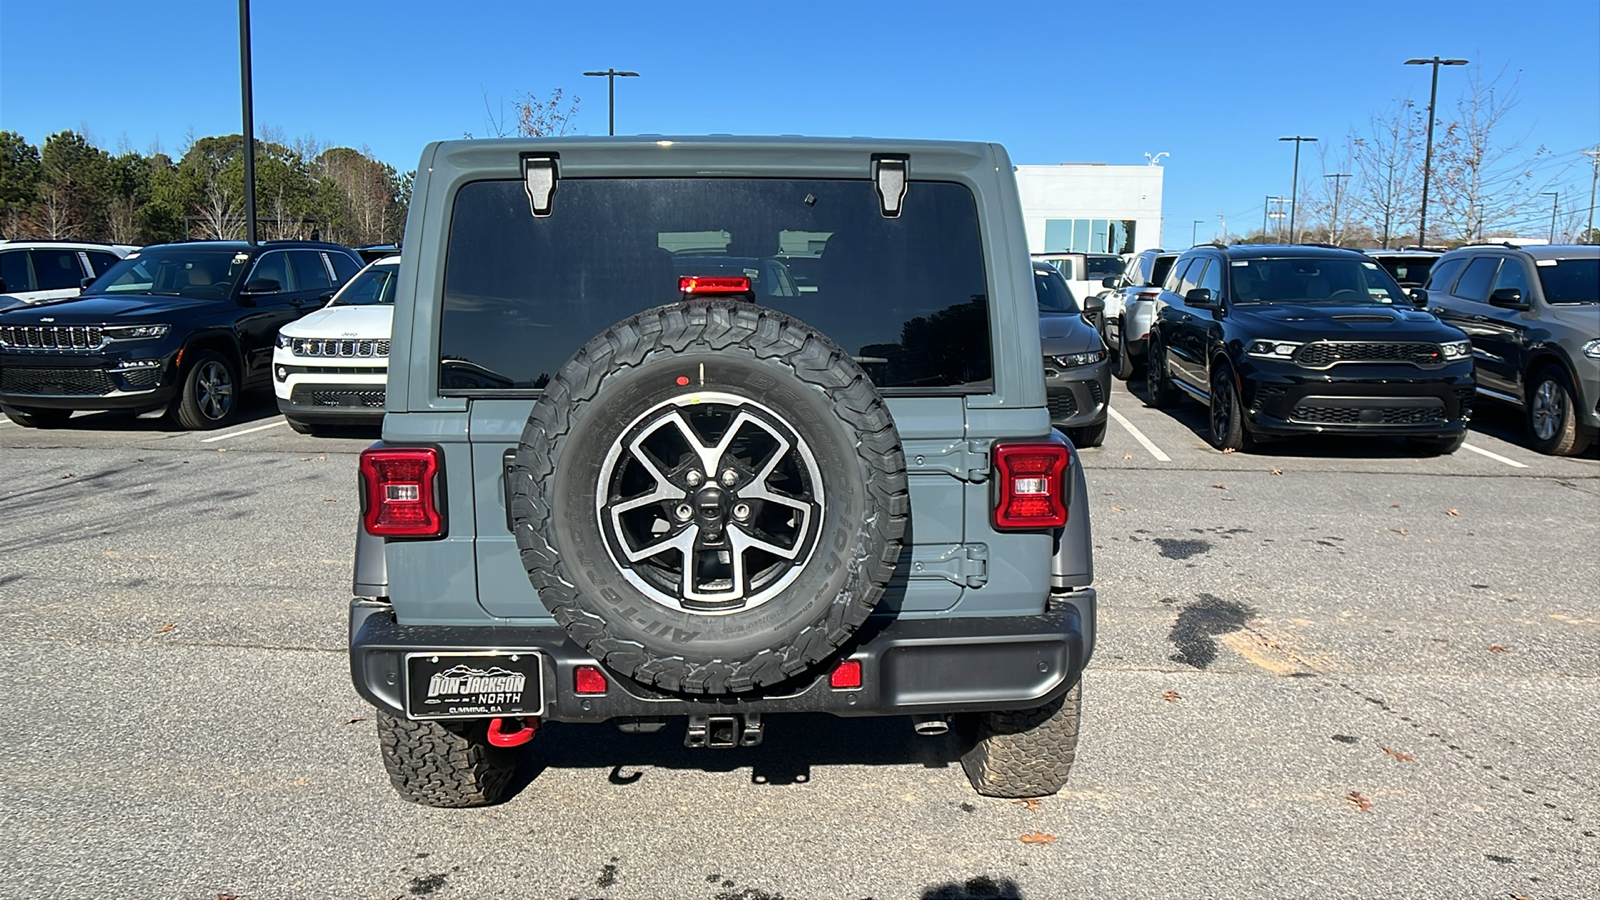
point(440, 684)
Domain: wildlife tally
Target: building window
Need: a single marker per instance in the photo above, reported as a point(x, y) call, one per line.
point(1088, 235)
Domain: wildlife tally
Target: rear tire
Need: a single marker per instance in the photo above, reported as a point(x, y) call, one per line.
point(1123, 370)
point(1088, 435)
point(38, 418)
point(1027, 752)
point(1158, 389)
point(1552, 414)
point(445, 764)
point(209, 395)
point(1437, 446)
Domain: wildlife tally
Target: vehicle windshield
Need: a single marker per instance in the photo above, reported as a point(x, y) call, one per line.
point(1351, 282)
point(1052, 291)
point(1570, 280)
point(373, 287)
point(178, 271)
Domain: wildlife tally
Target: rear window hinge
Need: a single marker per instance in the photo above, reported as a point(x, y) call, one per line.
point(540, 173)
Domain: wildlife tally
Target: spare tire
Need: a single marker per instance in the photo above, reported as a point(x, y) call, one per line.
point(709, 497)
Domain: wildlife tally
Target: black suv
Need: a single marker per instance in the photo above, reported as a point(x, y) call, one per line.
point(178, 329)
point(1302, 340)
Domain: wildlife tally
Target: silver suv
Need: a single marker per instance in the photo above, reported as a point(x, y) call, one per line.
point(1533, 315)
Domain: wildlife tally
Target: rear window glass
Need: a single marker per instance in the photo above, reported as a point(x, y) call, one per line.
point(1570, 280)
point(1101, 267)
point(1409, 271)
point(907, 297)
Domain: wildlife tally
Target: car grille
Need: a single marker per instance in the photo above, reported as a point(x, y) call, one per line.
point(76, 382)
point(335, 398)
point(52, 337)
point(1319, 354)
point(1063, 405)
point(349, 349)
point(1390, 415)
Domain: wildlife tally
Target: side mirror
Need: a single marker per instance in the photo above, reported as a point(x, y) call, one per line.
point(1508, 298)
point(1200, 298)
point(83, 284)
point(1096, 303)
point(1419, 297)
point(1109, 282)
point(262, 286)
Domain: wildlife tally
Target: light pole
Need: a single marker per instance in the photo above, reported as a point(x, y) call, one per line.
point(247, 102)
point(1276, 216)
point(1588, 235)
point(1555, 204)
point(611, 76)
point(1194, 231)
point(1294, 189)
point(1338, 187)
point(1427, 154)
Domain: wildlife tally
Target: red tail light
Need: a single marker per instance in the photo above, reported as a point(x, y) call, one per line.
point(400, 492)
point(1030, 486)
point(713, 284)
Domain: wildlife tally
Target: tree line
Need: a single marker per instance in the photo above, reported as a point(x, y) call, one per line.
point(69, 188)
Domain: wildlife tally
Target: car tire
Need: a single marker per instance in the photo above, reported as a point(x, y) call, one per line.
point(1023, 753)
point(38, 418)
point(1158, 389)
point(209, 394)
point(1552, 414)
point(1122, 369)
point(1437, 446)
point(1089, 435)
point(1228, 431)
point(808, 450)
point(445, 764)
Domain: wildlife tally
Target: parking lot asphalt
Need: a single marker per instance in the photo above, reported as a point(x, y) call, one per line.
point(1326, 669)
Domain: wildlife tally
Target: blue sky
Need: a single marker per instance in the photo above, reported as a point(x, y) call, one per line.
point(1213, 85)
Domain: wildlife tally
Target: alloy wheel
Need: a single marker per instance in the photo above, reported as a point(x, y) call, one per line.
point(214, 390)
point(1549, 409)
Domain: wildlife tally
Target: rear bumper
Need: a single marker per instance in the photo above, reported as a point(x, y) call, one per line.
point(909, 666)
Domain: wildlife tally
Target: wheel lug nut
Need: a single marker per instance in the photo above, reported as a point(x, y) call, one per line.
point(741, 511)
point(694, 478)
point(729, 477)
point(683, 511)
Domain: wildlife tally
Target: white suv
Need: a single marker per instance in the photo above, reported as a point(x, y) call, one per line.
point(330, 367)
point(36, 271)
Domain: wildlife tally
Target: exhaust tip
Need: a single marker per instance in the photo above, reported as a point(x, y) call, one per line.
point(930, 726)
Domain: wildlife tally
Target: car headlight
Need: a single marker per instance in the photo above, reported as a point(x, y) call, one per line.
point(135, 332)
point(1273, 349)
point(1068, 360)
point(283, 339)
point(1454, 350)
point(1592, 349)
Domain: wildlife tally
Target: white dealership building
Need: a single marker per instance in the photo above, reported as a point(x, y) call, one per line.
point(1091, 207)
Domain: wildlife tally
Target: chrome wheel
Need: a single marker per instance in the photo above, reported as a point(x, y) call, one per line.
point(710, 503)
point(1548, 410)
point(214, 390)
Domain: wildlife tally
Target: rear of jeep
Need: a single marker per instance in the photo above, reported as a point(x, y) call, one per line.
point(703, 431)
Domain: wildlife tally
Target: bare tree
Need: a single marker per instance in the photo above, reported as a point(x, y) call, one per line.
point(54, 212)
point(1386, 162)
point(122, 219)
point(1483, 181)
point(221, 210)
point(536, 118)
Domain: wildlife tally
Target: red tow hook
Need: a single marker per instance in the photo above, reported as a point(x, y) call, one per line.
point(517, 738)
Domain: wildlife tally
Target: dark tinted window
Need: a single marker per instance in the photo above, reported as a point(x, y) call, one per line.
point(1052, 291)
point(1512, 275)
point(1175, 276)
point(374, 286)
point(1571, 281)
point(273, 267)
point(1191, 276)
point(101, 261)
point(1159, 269)
point(1474, 283)
point(1212, 279)
point(906, 296)
point(1101, 267)
point(14, 271)
point(1442, 276)
point(309, 272)
point(344, 266)
point(55, 270)
point(1410, 271)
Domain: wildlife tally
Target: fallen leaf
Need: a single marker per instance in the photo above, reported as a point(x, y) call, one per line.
point(1391, 506)
point(1361, 803)
point(301, 782)
point(320, 457)
point(303, 458)
point(325, 499)
point(166, 628)
point(228, 896)
point(1220, 487)
point(1229, 450)
point(1038, 837)
point(1400, 757)
point(1170, 696)
point(1113, 509)
point(1496, 648)
point(1124, 456)
point(355, 720)
point(1032, 803)
point(74, 474)
point(1452, 512)
point(1274, 471)
point(1395, 530)
point(112, 554)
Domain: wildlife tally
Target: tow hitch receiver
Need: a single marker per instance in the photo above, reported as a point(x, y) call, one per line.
point(723, 732)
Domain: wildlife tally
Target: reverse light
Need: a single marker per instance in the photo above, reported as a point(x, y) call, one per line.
point(1453, 350)
point(713, 284)
point(846, 675)
point(1030, 486)
point(589, 680)
point(1273, 349)
point(400, 492)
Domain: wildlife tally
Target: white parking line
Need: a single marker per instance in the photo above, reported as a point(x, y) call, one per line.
point(1139, 436)
point(1495, 456)
point(231, 434)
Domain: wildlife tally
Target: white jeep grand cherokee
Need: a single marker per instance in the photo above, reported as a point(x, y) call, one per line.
point(330, 367)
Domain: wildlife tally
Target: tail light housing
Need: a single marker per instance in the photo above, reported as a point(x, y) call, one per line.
point(401, 491)
point(700, 285)
point(1030, 485)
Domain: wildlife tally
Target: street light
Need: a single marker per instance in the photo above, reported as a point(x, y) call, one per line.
point(247, 102)
point(1194, 231)
point(1427, 155)
point(611, 76)
point(1555, 204)
point(1294, 189)
point(1338, 187)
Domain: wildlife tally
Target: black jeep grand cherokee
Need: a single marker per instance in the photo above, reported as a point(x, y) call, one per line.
point(1305, 340)
point(175, 329)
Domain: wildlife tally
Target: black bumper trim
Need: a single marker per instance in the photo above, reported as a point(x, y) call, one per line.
point(909, 666)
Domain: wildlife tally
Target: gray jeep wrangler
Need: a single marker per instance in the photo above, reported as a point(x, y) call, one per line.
point(712, 429)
